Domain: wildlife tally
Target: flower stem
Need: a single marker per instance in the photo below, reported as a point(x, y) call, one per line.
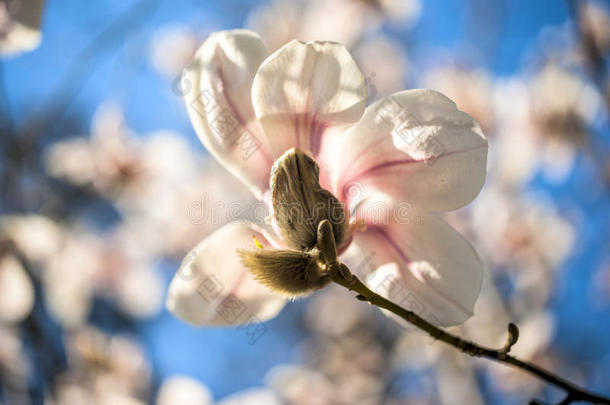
point(574, 393)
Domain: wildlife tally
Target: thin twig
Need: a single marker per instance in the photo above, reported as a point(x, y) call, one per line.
point(574, 393)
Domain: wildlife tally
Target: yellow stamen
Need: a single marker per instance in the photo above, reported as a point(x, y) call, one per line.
point(358, 225)
point(257, 243)
point(362, 226)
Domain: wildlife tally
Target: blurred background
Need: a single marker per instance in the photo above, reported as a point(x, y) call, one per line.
point(105, 187)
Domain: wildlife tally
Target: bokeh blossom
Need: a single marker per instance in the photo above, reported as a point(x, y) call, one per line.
point(343, 21)
point(20, 25)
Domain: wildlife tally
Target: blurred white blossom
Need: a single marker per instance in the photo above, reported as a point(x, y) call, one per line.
point(470, 89)
point(384, 64)
point(35, 236)
point(343, 21)
point(183, 390)
point(20, 25)
point(16, 290)
point(171, 49)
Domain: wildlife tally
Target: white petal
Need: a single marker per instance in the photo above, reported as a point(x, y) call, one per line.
point(16, 291)
point(425, 266)
point(304, 89)
point(213, 288)
point(416, 147)
point(216, 87)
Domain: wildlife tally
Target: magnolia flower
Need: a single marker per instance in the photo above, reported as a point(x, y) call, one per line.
point(389, 167)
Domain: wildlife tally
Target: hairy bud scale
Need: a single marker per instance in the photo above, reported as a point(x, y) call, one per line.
point(312, 223)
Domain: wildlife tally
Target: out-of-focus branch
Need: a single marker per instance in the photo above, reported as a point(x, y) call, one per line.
point(595, 60)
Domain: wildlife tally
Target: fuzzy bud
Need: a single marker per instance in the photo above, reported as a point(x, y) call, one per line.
point(312, 222)
point(300, 204)
point(288, 272)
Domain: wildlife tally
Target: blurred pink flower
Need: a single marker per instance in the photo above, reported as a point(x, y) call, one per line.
point(404, 157)
point(344, 21)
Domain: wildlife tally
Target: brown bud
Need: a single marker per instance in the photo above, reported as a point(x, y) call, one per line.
point(300, 204)
point(326, 242)
point(289, 272)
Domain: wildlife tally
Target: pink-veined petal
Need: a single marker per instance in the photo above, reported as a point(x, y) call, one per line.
point(217, 91)
point(212, 287)
point(416, 147)
point(424, 265)
point(303, 90)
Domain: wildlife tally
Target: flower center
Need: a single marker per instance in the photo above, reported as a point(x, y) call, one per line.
point(312, 222)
